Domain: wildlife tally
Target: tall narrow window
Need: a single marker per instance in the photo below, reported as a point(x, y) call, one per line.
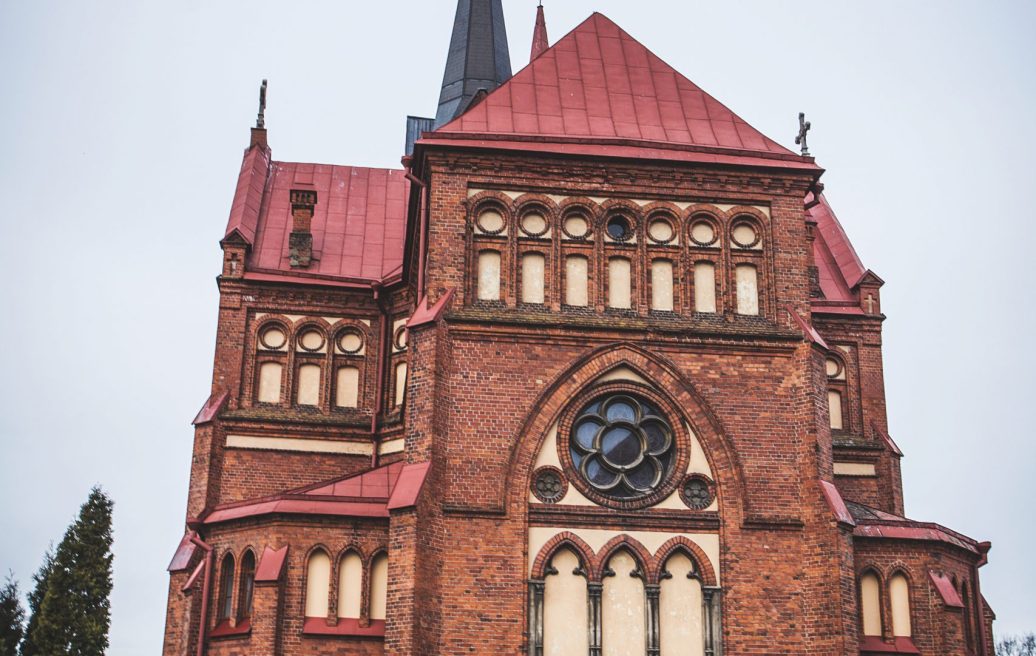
point(489, 276)
point(969, 629)
point(834, 402)
point(870, 604)
point(350, 586)
point(308, 385)
point(318, 584)
point(747, 289)
point(226, 588)
point(379, 587)
point(347, 387)
point(246, 588)
point(565, 611)
point(704, 287)
point(533, 272)
point(269, 382)
point(899, 602)
point(576, 279)
point(619, 283)
point(400, 383)
point(622, 608)
point(662, 285)
point(681, 630)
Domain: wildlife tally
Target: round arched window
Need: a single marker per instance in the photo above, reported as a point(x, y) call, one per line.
point(622, 446)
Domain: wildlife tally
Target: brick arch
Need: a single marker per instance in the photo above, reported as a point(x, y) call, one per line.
point(705, 567)
point(628, 543)
point(612, 205)
point(668, 381)
point(486, 198)
point(523, 202)
point(561, 541)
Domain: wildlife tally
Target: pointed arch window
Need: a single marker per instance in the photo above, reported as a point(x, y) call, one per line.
point(870, 604)
point(379, 587)
point(899, 604)
point(350, 586)
point(226, 588)
point(246, 586)
point(318, 584)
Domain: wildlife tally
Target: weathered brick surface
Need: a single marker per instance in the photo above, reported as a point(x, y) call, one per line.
point(488, 380)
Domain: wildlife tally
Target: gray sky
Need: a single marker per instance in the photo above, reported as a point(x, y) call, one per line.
point(122, 125)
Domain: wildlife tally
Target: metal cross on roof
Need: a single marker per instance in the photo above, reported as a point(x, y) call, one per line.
point(260, 121)
point(804, 127)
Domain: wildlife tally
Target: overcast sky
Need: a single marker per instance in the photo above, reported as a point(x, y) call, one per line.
point(122, 125)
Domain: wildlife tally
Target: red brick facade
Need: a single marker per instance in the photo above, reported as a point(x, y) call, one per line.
point(490, 383)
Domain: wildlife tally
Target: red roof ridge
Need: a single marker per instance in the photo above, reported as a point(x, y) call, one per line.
point(599, 84)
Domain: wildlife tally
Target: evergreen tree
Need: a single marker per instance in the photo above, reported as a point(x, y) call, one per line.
point(41, 579)
point(76, 613)
point(12, 617)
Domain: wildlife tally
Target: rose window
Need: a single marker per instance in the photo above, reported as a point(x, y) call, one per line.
point(622, 446)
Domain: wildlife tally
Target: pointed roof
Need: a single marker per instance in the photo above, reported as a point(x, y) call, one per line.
point(600, 86)
point(540, 43)
point(478, 57)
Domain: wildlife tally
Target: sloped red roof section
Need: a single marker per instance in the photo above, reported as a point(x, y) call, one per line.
point(358, 223)
point(368, 494)
point(839, 265)
point(600, 84)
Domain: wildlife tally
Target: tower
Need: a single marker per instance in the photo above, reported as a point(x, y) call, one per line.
point(597, 372)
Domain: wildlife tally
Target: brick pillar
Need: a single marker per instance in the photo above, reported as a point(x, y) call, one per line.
point(267, 607)
point(300, 242)
point(181, 617)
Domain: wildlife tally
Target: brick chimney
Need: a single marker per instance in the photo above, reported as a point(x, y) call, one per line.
point(300, 242)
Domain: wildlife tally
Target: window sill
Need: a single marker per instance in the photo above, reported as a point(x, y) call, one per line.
point(873, 645)
point(346, 628)
point(225, 630)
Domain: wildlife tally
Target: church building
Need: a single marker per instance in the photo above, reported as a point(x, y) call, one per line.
point(595, 372)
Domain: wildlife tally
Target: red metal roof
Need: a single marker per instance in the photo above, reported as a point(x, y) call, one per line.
point(874, 523)
point(358, 224)
point(271, 565)
point(949, 594)
point(840, 267)
point(835, 503)
point(369, 494)
point(600, 85)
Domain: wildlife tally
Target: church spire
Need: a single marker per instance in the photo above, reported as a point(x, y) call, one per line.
point(539, 35)
point(478, 59)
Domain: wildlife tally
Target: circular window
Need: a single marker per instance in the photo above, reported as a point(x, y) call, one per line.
point(661, 231)
point(745, 235)
point(350, 341)
point(576, 227)
point(273, 338)
point(619, 228)
point(834, 368)
point(490, 221)
point(534, 224)
point(399, 340)
point(622, 446)
point(697, 492)
point(548, 485)
point(311, 340)
point(703, 234)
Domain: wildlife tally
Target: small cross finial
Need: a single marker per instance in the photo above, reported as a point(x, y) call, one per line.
point(804, 127)
point(260, 121)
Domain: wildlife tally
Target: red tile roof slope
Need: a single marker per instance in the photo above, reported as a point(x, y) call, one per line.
point(598, 83)
point(372, 493)
point(358, 223)
point(840, 266)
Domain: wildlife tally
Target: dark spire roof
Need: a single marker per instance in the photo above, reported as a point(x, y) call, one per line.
point(478, 57)
point(540, 44)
